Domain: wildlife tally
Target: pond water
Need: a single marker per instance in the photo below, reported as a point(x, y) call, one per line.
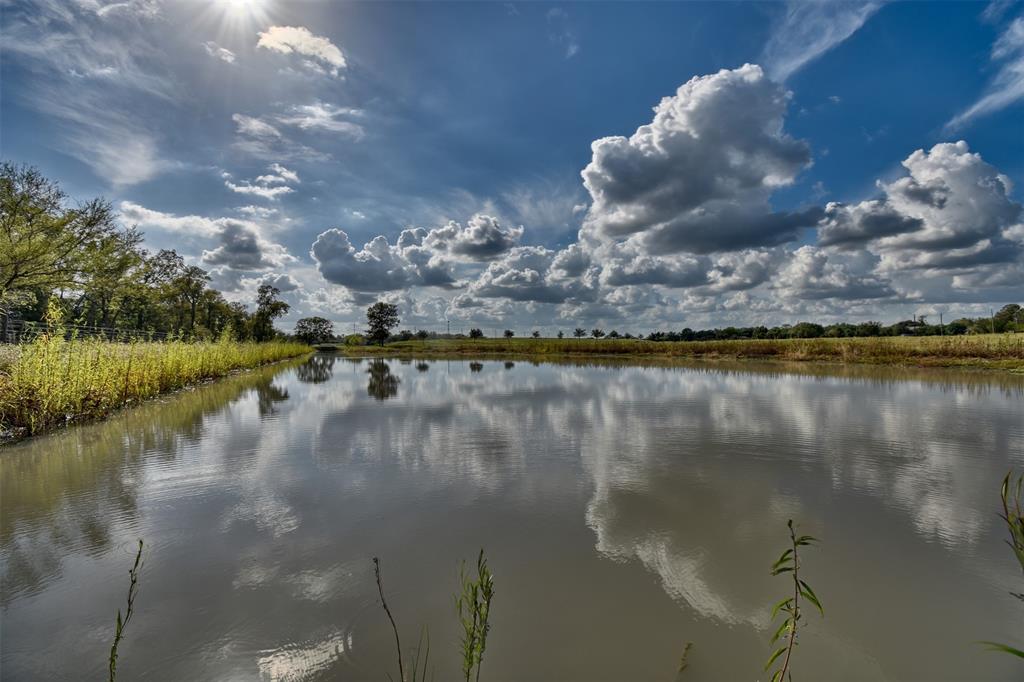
point(625, 511)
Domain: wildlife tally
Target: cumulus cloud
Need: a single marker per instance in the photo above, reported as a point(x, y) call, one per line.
point(268, 186)
point(625, 264)
point(1007, 87)
point(812, 274)
point(807, 30)
point(952, 211)
point(525, 274)
point(241, 248)
point(379, 266)
point(699, 176)
point(320, 53)
point(482, 238)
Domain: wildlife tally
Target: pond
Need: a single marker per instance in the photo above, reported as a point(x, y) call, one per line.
point(625, 510)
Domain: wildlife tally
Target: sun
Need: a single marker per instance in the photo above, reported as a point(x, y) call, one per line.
point(235, 17)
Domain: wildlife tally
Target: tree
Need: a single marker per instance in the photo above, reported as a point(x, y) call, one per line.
point(509, 333)
point(268, 308)
point(1008, 317)
point(313, 330)
point(44, 243)
point(613, 334)
point(579, 332)
point(597, 333)
point(381, 318)
point(536, 334)
point(422, 334)
point(476, 333)
point(561, 334)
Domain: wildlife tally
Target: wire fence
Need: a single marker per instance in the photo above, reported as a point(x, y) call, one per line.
point(14, 331)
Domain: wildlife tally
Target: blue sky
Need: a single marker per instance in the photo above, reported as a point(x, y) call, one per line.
point(812, 160)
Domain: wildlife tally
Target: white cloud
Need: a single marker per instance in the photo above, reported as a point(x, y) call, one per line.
point(809, 29)
point(952, 211)
point(241, 248)
point(699, 176)
point(145, 218)
point(221, 53)
point(323, 116)
point(1007, 87)
point(813, 274)
point(258, 190)
point(254, 127)
point(379, 266)
point(299, 40)
point(482, 238)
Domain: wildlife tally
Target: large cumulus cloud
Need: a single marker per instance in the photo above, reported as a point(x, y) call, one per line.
point(699, 176)
point(419, 257)
point(951, 212)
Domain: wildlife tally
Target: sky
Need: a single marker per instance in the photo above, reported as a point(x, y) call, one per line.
point(545, 166)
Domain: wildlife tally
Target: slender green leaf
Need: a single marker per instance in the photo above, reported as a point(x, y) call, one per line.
point(811, 597)
point(996, 646)
point(778, 652)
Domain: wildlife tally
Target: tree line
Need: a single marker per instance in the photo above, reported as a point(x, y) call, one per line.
point(80, 258)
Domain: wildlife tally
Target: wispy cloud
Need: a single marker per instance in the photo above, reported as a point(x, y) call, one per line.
point(808, 30)
point(221, 53)
point(561, 32)
point(1007, 87)
point(323, 116)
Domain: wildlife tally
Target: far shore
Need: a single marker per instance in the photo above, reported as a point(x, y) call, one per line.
point(1003, 352)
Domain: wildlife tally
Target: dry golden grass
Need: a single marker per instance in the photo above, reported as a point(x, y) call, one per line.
point(1003, 351)
point(52, 381)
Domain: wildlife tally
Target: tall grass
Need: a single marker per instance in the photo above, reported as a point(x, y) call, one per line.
point(53, 381)
point(983, 350)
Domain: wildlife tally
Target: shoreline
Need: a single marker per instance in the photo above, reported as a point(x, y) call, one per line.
point(993, 352)
point(17, 432)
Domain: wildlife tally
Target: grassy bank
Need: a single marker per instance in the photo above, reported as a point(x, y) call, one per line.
point(52, 382)
point(996, 351)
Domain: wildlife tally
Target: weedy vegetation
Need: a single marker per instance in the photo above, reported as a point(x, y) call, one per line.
point(1012, 495)
point(991, 351)
point(422, 651)
point(54, 381)
point(790, 607)
point(122, 623)
point(473, 605)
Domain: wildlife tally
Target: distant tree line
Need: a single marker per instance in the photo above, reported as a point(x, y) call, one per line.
point(1009, 318)
point(99, 274)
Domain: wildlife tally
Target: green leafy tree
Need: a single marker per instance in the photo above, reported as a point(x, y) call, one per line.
point(45, 242)
point(509, 333)
point(314, 330)
point(476, 333)
point(381, 318)
point(269, 307)
point(579, 332)
point(597, 333)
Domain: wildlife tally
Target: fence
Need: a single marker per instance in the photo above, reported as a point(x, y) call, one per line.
point(13, 330)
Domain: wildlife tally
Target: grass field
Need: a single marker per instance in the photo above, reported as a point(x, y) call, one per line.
point(993, 351)
point(52, 382)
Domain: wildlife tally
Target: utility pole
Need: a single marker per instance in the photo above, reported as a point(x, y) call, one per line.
point(992, 319)
point(942, 330)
